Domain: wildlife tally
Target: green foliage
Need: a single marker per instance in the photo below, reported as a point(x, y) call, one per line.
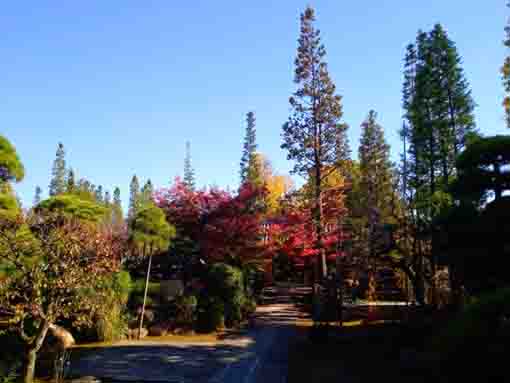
point(186, 310)
point(480, 169)
point(58, 172)
point(210, 314)
point(149, 229)
point(112, 322)
point(72, 206)
point(477, 328)
point(226, 283)
point(189, 173)
point(138, 287)
point(249, 146)
point(11, 168)
point(134, 196)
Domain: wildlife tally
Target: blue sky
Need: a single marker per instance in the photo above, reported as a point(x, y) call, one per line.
point(123, 84)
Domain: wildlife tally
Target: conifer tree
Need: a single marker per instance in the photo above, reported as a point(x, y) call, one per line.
point(134, 196)
point(99, 194)
point(147, 191)
point(375, 166)
point(37, 196)
point(107, 198)
point(189, 173)
point(250, 145)
point(438, 109)
point(57, 183)
point(117, 206)
point(70, 182)
point(310, 134)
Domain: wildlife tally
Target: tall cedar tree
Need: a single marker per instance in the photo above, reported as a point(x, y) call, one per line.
point(250, 146)
point(58, 173)
point(134, 196)
point(506, 75)
point(375, 183)
point(189, 172)
point(37, 197)
point(439, 112)
point(375, 166)
point(310, 134)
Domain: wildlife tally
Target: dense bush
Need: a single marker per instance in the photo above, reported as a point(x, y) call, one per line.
point(226, 283)
point(210, 314)
point(185, 310)
point(481, 332)
point(112, 318)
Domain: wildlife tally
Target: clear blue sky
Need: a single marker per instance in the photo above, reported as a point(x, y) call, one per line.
point(123, 84)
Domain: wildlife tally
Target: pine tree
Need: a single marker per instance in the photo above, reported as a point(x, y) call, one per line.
point(310, 134)
point(254, 171)
point(107, 198)
point(147, 192)
point(57, 184)
point(117, 206)
point(37, 197)
point(438, 108)
point(70, 182)
point(375, 167)
point(99, 194)
point(189, 173)
point(134, 196)
point(116, 198)
point(250, 145)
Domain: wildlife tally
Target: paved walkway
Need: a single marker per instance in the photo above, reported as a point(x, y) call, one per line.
point(259, 355)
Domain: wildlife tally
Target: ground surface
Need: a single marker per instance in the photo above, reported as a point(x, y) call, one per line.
point(259, 354)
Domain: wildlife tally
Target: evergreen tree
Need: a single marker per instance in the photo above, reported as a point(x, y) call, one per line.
point(57, 184)
point(71, 182)
point(250, 145)
point(134, 196)
point(147, 191)
point(116, 198)
point(99, 194)
point(189, 173)
point(310, 134)
point(117, 207)
point(107, 198)
point(11, 168)
point(375, 167)
point(254, 171)
point(37, 197)
point(439, 111)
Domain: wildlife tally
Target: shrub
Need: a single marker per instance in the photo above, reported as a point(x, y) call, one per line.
point(226, 284)
point(185, 310)
point(480, 332)
point(211, 314)
point(250, 305)
point(138, 287)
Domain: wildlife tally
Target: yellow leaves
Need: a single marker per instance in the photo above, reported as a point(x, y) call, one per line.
point(277, 186)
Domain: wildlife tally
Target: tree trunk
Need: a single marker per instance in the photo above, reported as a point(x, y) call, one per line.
point(32, 350)
point(145, 296)
point(321, 268)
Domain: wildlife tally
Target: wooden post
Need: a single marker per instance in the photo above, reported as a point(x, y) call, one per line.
point(145, 296)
